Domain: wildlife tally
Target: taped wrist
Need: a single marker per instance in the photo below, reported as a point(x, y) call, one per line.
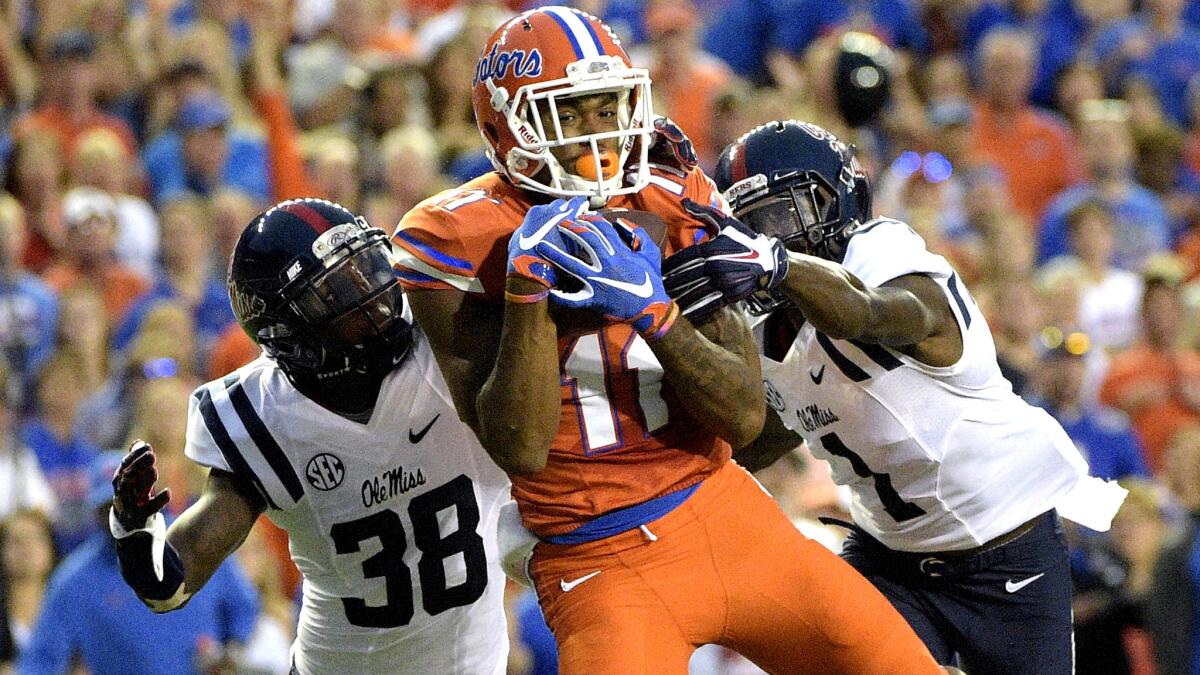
point(149, 564)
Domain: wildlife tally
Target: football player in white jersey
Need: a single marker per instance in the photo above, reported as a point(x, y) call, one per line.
point(888, 371)
point(344, 434)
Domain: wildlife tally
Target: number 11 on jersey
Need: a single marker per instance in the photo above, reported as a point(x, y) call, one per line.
point(589, 370)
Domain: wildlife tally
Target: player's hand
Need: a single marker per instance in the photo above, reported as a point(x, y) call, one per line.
point(541, 226)
point(686, 280)
point(134, 499)
point(515, 544)
point(737, 263)
point(615, 280)
point(670, 146)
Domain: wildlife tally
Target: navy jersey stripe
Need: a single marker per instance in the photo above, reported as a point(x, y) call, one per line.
point(867, 227)
point(952, 282)
point(878, 354)
point(264, 440)
point(216, 428)
point(839, 359)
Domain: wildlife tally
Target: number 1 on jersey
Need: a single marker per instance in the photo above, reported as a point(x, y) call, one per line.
point(587, 370)
point(893, 503)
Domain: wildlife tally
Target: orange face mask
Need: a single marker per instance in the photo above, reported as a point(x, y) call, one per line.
point(585, 167)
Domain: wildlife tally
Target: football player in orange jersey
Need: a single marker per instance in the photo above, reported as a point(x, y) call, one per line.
point(617, 434)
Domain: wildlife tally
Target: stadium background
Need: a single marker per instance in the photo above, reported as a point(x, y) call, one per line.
point(1049, 148)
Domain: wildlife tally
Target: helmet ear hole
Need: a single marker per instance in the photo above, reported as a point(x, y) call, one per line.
point(490, 130)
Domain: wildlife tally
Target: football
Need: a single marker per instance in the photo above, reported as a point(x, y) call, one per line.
point(572, 322)
point(654, 226)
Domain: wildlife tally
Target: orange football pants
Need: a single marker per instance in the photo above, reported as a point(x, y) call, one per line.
point(724, 567)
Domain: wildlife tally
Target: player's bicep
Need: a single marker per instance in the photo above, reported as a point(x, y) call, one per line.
point(212, 528)
point(906, 311)
point(464, 333)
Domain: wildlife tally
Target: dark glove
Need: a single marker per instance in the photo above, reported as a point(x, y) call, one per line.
point(726, 269)
point(671, 146)
point(134, 499)
point(686, 280)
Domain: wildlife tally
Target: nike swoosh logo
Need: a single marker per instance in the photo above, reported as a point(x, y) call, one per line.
point(416, 438)
point(642, 290)
point(818, 376)
point(751, 255)
point(1014, 587)
point(529, 242)
point(568, 586)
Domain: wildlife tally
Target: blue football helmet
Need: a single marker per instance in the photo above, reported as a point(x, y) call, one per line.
point(312, 284)
point(797, 182)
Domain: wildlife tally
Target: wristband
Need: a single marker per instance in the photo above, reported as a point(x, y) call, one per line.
point(119, 532)
point(657, 333)
point(509, 296)
point(149, 564)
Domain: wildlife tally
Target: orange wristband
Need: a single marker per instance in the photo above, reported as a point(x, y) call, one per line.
point(668, 321)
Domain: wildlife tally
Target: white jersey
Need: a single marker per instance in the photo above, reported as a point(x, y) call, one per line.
point(936, 458)
point(392, 522)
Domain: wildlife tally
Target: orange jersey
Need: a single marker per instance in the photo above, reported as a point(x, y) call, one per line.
point(622, 438)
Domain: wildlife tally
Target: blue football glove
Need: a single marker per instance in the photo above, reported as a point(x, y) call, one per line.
point(616, 281)
point(726, 269)
point(541, 225)
point(671, 146)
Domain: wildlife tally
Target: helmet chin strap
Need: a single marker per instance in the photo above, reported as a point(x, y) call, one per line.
point(348, 381)
point(373, 359)
point(319, 366)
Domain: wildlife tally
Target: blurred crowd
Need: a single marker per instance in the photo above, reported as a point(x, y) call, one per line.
point(1049, 148)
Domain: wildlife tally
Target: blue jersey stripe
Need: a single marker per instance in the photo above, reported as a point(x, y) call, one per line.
point(952, 282)
point(570, 34)
point(229, 449)
point(410, 275)
point(432, 252)
point(878, 354)
point(265, 441)
point(848, 367)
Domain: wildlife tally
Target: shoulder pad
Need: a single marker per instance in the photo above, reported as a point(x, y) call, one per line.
point(228, 411)
point(883, 249)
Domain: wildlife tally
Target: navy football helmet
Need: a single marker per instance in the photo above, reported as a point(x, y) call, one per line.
point(313, 285)
point(797, 182)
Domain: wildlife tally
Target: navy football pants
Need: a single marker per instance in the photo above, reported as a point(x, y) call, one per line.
point(1004, 611)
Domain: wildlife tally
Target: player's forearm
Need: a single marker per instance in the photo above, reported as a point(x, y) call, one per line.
point(150, 565)
point(519, 405)
point(774, 442)
point(840, 305)
point(715, 369)
point(165, 569)
point(205, 535)
point(832, 299)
